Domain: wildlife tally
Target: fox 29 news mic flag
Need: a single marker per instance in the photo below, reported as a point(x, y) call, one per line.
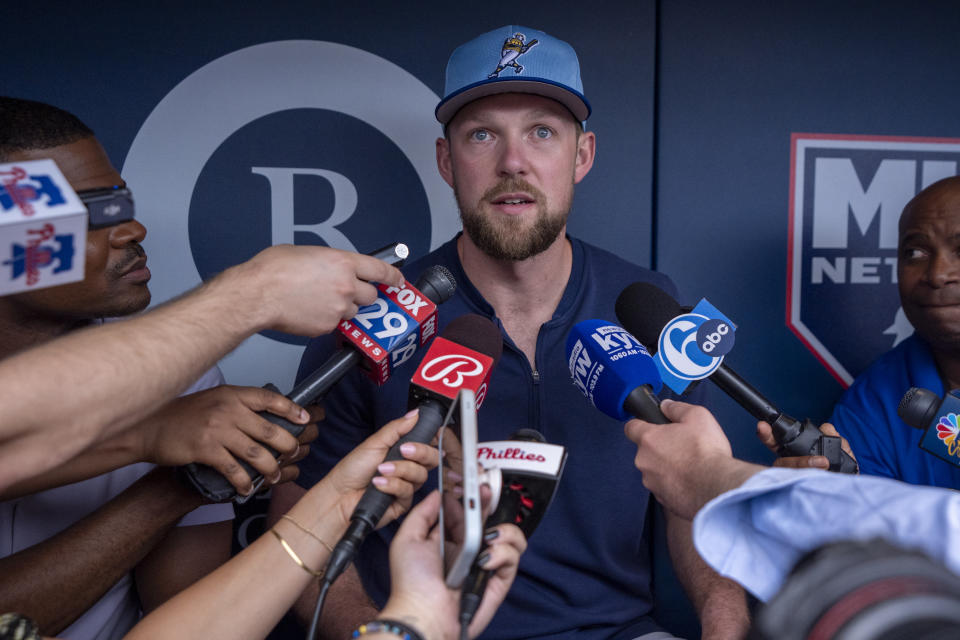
point(389, 331)
point(463, 357)
point(614, 371)
point(43, 227)
point(923, 409)
point(691, 346)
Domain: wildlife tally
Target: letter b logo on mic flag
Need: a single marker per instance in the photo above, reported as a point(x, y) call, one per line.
point(449, 367)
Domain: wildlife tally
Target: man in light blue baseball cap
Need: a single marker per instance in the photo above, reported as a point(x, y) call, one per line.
point(513, 149)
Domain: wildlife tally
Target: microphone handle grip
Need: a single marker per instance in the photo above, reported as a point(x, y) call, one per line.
point(643, 403)
point(475, 583)
point(373, 504)
point(316, 385)
point(214, 486)
point(810, 441)
point(745, 395)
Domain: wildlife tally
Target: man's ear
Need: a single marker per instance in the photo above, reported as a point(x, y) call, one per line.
point(444, 164)
point(586, 150)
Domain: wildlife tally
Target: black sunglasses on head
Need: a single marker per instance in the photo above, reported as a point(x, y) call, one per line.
point(107, 206)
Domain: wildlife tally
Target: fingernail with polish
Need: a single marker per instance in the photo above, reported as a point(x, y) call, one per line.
point(491, 534)
point(386, 467)
point(380, 481)
point(408, 448)
point(483, 559)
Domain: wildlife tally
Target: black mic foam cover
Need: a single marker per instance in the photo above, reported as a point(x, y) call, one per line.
point(437, 283)
point(644, 310)
point(477, 333)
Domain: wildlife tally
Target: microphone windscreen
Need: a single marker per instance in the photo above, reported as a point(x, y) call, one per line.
point(437, 283)
point(918, 407)
point(528, 435)
point(644, 310)
point(477, 333)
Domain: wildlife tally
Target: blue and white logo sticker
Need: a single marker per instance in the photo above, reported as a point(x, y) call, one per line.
point(693, 345)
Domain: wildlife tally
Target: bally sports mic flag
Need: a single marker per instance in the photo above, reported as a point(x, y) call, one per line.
point(449, 366)
point(43, 227)
point(389, 331)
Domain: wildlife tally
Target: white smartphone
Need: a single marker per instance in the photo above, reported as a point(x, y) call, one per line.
point(461, 518)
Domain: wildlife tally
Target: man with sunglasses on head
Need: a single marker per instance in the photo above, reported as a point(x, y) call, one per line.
point(88, 546)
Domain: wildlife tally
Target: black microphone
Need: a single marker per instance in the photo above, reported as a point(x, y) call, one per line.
point(645, 309)
point(939, 419)
point(531, 470)
point(463, 357)
point(436, 283)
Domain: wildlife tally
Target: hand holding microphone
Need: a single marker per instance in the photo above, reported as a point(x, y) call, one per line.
point(656, 319)
point(681, 449)
point(406, 319)
point(418, 593)
point(463, 357)
point(530, 472)
point(687, 463)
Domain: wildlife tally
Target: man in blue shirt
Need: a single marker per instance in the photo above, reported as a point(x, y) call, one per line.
point(514, 148)
point(928, 274)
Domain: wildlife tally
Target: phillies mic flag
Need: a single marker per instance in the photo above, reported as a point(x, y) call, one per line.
point(530, 471)
point(534, 458)
point(389, 331)
point(43, 227)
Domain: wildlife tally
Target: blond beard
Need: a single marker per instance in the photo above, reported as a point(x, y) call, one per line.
point(505, 238)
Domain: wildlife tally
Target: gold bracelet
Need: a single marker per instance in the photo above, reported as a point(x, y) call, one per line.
point(294, 556)
point(308, 532)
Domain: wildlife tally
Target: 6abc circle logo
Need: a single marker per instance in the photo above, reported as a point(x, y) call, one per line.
point(692, 346)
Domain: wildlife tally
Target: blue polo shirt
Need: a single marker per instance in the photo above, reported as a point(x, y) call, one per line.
point(866, 416)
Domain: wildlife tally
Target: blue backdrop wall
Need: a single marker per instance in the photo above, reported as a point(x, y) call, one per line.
point(756, 152)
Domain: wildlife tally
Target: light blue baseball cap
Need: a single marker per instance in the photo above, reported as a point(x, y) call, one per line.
point(513, 59)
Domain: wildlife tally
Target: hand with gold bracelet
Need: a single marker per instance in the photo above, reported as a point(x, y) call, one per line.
point(248, 595)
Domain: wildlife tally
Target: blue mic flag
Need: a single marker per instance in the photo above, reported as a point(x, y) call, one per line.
point(607, 363)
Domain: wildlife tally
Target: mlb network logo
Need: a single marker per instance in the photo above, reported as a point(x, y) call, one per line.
point(846, 195)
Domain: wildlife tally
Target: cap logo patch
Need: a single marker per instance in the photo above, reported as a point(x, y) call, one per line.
point(513, 47)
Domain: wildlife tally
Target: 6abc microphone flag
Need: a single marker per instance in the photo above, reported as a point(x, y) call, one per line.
point(691, 346)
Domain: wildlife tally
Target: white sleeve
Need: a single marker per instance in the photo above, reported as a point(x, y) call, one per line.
point(757, 532)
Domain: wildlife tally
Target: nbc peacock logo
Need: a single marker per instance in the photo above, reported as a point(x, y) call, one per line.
point(947, 430)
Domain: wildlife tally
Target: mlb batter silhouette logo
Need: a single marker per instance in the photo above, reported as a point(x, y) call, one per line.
point(513, 48)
